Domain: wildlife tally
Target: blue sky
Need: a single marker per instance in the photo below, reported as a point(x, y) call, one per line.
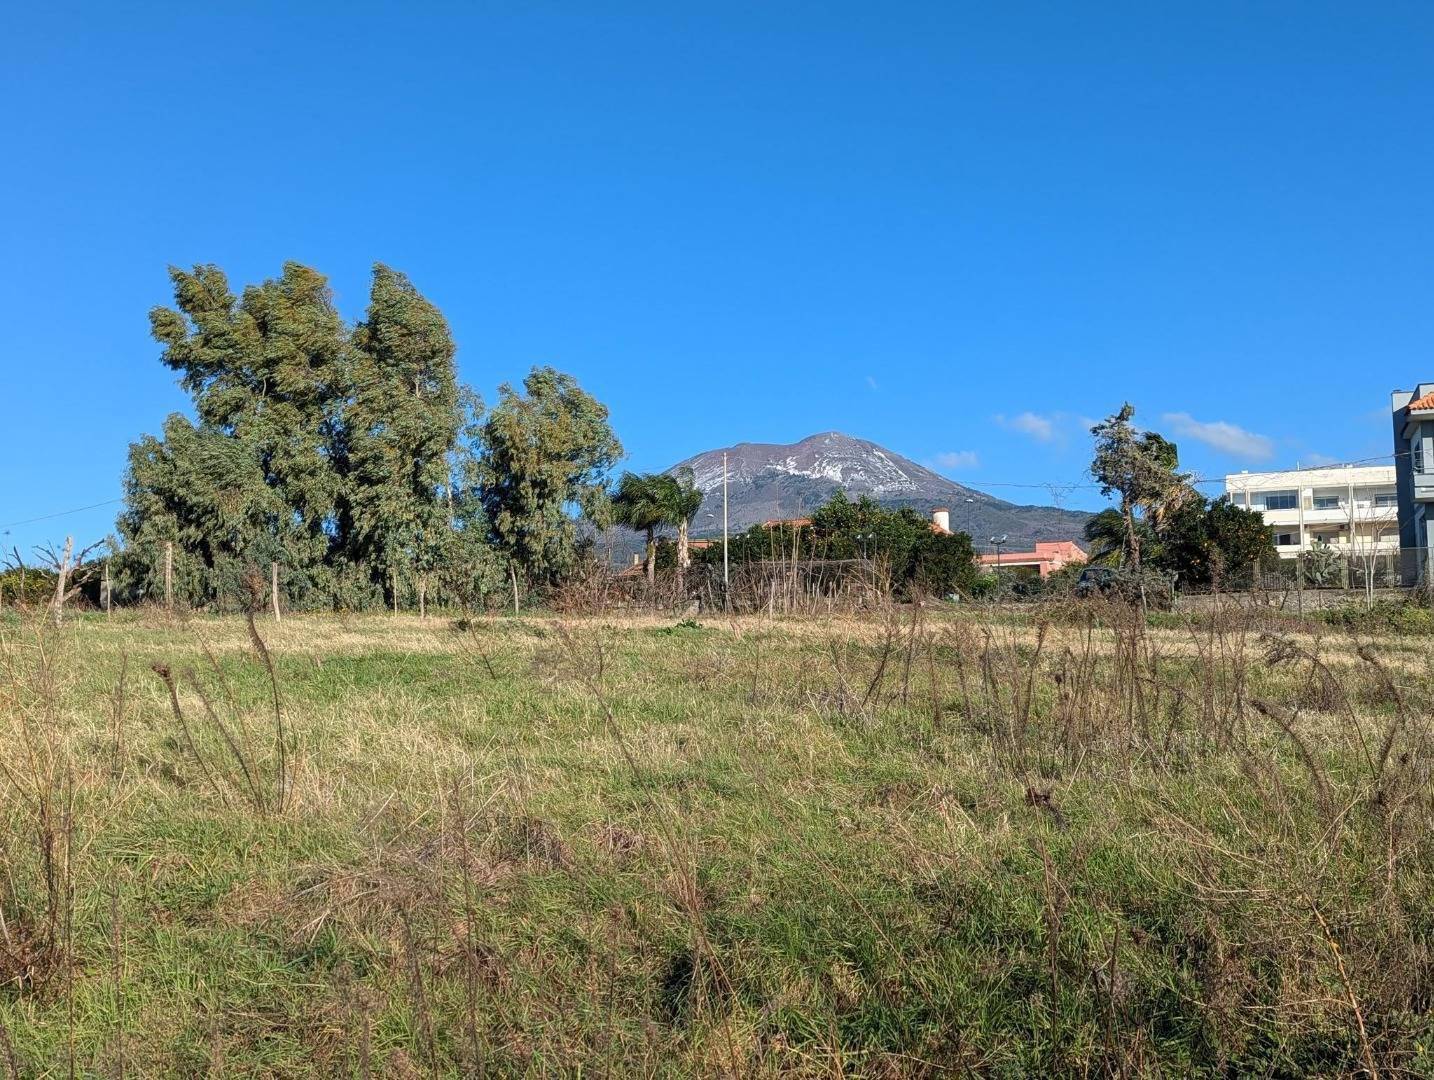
point(956, 229)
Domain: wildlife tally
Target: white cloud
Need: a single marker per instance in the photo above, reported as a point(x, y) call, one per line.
point(1040, 428)
point(1222, 435)
point(957, 459)
point(871, 381)
point(1317, 458)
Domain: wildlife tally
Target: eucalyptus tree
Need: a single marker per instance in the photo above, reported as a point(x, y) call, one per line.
point(255, 478)
point(545, 454)
point(400, 426)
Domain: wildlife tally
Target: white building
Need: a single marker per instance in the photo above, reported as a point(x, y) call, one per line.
point(1353, 509)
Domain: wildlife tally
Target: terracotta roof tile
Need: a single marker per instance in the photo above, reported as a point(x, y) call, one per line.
point(1420, 404)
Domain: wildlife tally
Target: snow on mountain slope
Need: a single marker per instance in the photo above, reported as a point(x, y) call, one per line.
point(770, 480)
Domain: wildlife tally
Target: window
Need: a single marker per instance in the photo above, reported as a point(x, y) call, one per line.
point(1326, 502)
point(1281, 500)
point(1284, 539)
point(1386, 498)
point(1419, 453)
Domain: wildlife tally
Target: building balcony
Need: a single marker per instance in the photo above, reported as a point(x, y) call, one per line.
point(1364, 512)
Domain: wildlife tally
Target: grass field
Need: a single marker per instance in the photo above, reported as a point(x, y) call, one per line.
point(908, 845)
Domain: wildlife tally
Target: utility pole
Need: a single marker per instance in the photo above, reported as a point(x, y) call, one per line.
point(169, 575)
point(726, 573)
point(1300, 550)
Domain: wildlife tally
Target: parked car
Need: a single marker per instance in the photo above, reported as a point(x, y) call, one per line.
point(1126, 585)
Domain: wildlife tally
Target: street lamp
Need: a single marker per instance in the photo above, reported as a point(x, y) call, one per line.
point(996, 542)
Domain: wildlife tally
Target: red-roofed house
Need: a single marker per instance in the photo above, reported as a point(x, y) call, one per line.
point(1046, 559)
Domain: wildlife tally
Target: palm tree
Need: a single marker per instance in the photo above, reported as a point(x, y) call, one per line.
point(1105, 532)
point(639, 504)
point(1109, 541)
point(683, 500)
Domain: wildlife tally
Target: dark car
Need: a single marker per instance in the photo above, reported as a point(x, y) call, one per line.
point(1095, 579)
point(1127, 585)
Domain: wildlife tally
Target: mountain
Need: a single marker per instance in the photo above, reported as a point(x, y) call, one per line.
point(769, 480)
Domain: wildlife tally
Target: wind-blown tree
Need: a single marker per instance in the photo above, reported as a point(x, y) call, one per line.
point(546, 452)
point(1105, 533)
point(683, 500)
point(254, 479)
point(1140, 467)
point(647, 502)
point(641, 504)
point(400, 427)
point(351, 458)
point(335, 453)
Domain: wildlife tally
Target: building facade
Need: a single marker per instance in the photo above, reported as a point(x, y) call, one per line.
point(1352, 510)
point(1046, 559)
point(1412, 412)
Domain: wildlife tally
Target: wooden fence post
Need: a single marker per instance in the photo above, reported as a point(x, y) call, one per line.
point(169, 575)
point(274, 587)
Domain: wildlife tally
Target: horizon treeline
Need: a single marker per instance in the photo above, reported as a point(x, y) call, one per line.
point(350, 455)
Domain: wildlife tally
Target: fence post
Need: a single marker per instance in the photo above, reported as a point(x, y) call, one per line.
point(169, 575)
point(274, 587)
point(107, 588)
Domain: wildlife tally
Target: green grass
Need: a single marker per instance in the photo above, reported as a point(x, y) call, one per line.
point(634, 847)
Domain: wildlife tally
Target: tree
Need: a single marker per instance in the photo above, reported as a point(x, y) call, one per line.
point(1240, 537)
point(255, 479)
point(1105, 533)
point(917, 560)
point(648, 502)
point(640, 503)
point(1204, 543)
point(683, 500)
point(333, 451)
point(1140, 467)
point(399, 428)
point(545, 452)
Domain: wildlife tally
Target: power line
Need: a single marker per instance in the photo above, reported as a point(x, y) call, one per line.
point(60, 513)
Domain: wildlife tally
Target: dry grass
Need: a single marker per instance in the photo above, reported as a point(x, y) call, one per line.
point(894, 846)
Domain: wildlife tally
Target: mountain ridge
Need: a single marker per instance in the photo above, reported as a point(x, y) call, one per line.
point(785, 480)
